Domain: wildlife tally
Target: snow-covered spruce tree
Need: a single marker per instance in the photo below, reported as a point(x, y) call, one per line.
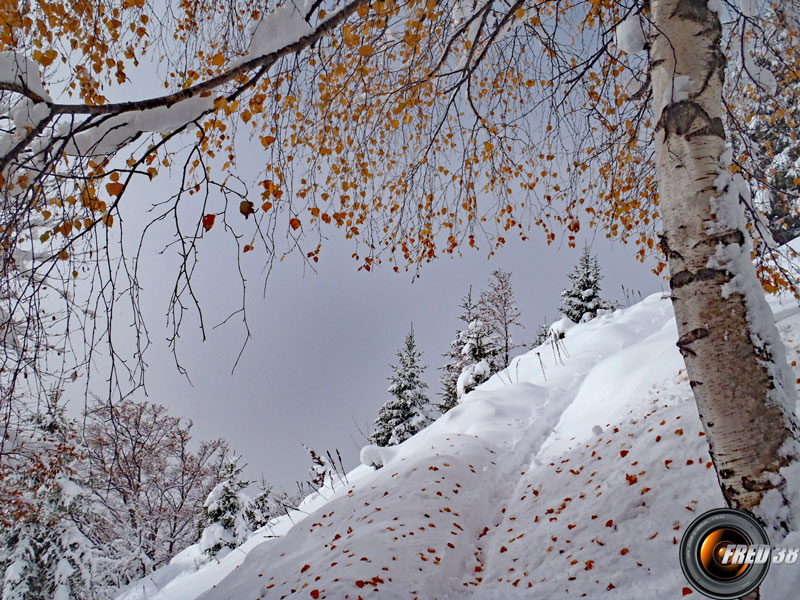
point(581, 301)
point(498, 310)
point(481, 356)
point(266, 505)
point(542, 335)
point(44, 552)
point(226, 524)
point(409, 410)
point(456, 361)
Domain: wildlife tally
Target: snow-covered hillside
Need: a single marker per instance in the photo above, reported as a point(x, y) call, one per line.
point(571, 474)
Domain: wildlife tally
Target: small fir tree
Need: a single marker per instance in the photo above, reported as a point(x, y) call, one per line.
point(542, 335)
point(481, 354)
point(455, 358)
point(582, 300)
point(409, 410)
point(498, 310)
point(266, 505)
point(225, 511)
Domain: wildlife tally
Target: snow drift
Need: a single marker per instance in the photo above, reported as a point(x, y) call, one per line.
point(573, 473)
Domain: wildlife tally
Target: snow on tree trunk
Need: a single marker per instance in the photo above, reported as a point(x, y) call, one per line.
point(734, 358)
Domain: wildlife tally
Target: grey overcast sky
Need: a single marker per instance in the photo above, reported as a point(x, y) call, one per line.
point(315, 369)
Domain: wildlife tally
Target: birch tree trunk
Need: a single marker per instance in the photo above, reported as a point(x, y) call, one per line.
point(734, 357)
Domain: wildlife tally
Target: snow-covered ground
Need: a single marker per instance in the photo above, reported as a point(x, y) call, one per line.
point(571, 474)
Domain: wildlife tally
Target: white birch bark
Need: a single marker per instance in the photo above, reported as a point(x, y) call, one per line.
point(734, 357)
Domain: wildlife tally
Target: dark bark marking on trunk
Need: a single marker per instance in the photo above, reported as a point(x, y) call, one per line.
point(668, 252)
point(686, 277)
point(694, 10)
point(687, 339)
point(726, 238)
point(688, 119)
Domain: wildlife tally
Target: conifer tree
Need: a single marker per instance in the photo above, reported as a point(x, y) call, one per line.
point(582, 300)
point(481, 355)
point(455, 358)
point(498, 310)
point(409, 411)
point(473, 357)
point(225, 511)
point(266, 505)
point(542, 334)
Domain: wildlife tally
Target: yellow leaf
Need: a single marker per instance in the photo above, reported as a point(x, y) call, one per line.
point(266, 140)
point(363, 10)
point(218, 60)
point(519, 13)
point(366, 50)
point(108, 220)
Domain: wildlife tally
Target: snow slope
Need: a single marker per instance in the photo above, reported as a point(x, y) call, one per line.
point(571, 474)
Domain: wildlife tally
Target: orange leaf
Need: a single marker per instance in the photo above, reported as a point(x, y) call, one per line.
point(218, 60)
point(208, 221)
point(114, 188)
point(366, 50)
point(295, 223)
point(246, 208)
point(247, 248)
